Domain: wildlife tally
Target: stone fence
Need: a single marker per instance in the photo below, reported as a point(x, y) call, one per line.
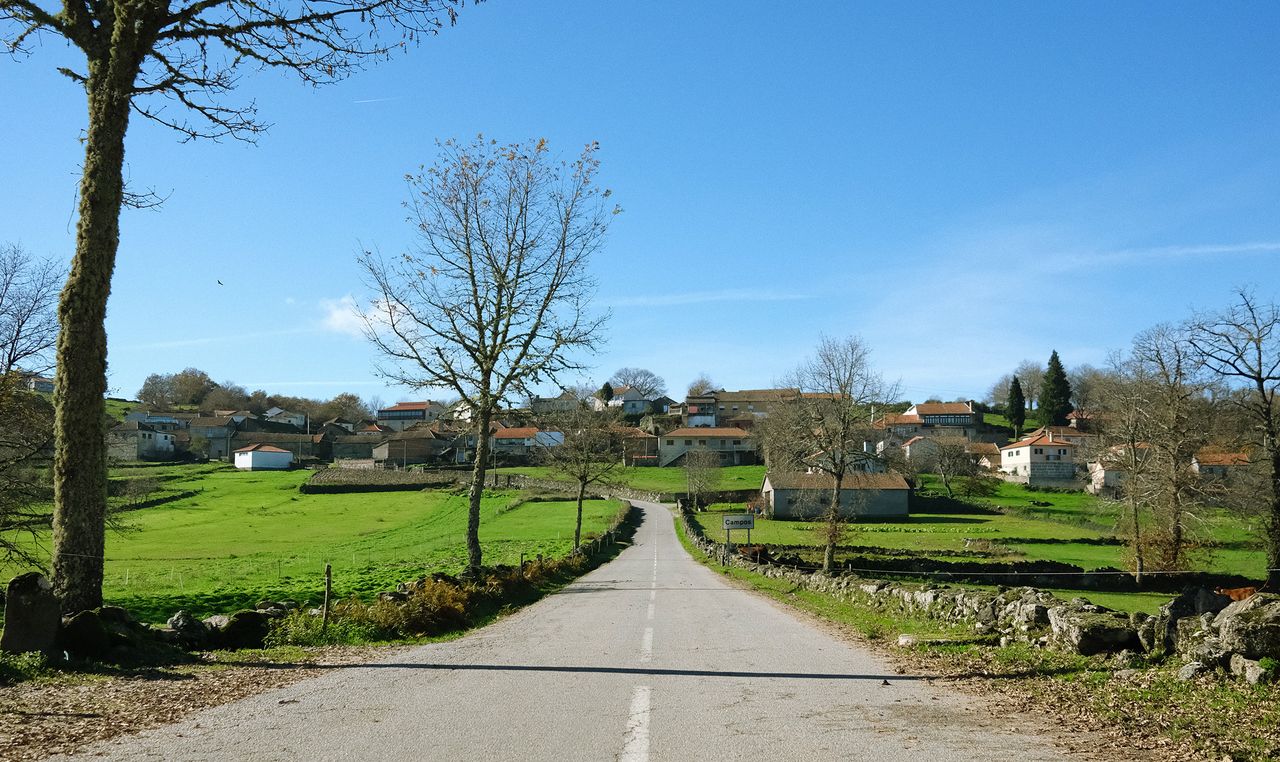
point(1209, 630)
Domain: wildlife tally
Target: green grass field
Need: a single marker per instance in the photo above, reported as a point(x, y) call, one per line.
point(251, 535)
point(661, 479)
point(1024, 525)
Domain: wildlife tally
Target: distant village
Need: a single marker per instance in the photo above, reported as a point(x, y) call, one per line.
point(657, 431)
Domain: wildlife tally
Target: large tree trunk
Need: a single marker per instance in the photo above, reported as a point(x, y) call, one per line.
point(1137, 541)
point(80, 456)
point(833, 526)
point(1273, 527)
point(474, 553)
point(577, 528)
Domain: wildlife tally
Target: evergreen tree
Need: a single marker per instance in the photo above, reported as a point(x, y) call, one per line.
point(1017, 406)
point(1055, 394)
point(606, 392)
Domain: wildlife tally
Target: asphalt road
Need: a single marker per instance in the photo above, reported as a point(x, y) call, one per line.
point(651, 657)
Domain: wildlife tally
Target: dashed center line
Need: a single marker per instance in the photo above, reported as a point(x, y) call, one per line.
point(635, 745)
point(646, 646)
point(651, 610)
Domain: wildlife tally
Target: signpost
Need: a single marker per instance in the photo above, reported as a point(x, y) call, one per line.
point(747, 522)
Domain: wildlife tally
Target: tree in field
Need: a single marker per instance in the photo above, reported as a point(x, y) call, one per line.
point(590, 454)
point(495, 298)
point(1124, 432)
point(1055, 393)
point(824, 427)
point(1241, 345)
point(952, 461)
point(1084, 381)
point(28, 314)
point(173, 63)
point(1016, 407)
point(702, 385)
point(998, 394)
point(701, 474)
point(649, 384)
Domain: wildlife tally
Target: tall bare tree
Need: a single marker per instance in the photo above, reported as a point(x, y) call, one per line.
point(952, 461)
point(1030, 375)
point(701, 385)
point(649, 384)
point(495, 298)
point(1124, 431)
point(701, 474)
point(173, 63)
point(825, 425)
point(1241, 344)
point(28, 311)
point(590, 454)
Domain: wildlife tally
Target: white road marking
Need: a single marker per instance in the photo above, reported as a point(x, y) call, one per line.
point(646, 647)
point(635, 745)
point(650, 610)
point(653, 595)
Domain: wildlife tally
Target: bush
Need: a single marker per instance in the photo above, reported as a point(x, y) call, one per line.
point(14, 668)
point(300, 628)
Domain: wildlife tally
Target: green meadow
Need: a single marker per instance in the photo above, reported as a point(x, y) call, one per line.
point(245, 536)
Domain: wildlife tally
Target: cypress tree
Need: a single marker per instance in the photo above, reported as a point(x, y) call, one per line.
point(1017, 407)
point(1055, 394)
point(606, 391)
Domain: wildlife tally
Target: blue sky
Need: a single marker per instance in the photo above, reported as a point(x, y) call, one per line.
point(964, 185)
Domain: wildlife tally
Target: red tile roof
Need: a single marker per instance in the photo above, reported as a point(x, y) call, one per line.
point(527, 432)
point(707, 431)
point(1222, 458)
point(409, 406)
point(1041, 440)
point(898, 419)
point(261, 448)
point(943, 408)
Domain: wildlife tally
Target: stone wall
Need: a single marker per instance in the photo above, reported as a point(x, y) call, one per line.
point(1199, 625)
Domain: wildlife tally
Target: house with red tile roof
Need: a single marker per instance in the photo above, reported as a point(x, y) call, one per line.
point(1039, 460)
point(734, 446)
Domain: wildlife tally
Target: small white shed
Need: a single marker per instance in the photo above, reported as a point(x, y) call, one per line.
point(262, 457)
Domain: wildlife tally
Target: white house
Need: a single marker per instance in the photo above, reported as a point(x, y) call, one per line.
point(280, 415)
point(523, 440)
point(1039, 459)
point(263, 457)
point(734, 446)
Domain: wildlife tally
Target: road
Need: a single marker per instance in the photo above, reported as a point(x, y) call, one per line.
point(651, 657)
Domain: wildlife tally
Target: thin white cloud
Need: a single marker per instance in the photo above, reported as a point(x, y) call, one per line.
point(379, 100)
point(702, 297)
point(224, 339)
point(342, 316)
point(1209, 249)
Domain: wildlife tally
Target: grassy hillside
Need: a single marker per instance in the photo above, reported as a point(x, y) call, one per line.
point(251, 535)
point(662, 479)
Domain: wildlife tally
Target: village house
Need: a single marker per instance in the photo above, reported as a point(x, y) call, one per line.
point(1039, 460)
point(522, 442)
point(280, 415)
point(1065, 434)
point(1109, 472)
point(263, 457)
point(625, 398)
point(352, 447)
point(138, 441)
point(639, 447)
point(565, 402)
point(806, 495)
point(920, 450)
point(303, 446)
point(36, 383)
point(402, 415)
point(1212, 463)
point(416, 446)
point(734, 446)
point(212, 436)
point(985, 455)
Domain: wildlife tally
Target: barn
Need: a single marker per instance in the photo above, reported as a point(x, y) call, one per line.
point(263, 457)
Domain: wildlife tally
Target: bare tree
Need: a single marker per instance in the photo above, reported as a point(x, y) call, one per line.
point(824, 427)
point(701, 385)
point(494, 300)
point(28, 315)
point(1031, 376)
point(1241, 344)
point(649, 384)
point(1124, 431)
point(952, 461)
point(701, 473)
point(25, 441)
point(590, 454)
point(144, 58)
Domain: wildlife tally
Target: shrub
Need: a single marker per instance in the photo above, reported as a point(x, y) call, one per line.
point(300, 628)
point(14, 668)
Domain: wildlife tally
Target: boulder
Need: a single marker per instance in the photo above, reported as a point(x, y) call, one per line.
point(32, 615)
point(1250, 670)
point(1192, 670)
point(1088, 631)
point(393, 596)
point(189, 632)
point(217, 621)
point(85, 635)
point(1194, 601)
point(1251, 627)
point(245, 629)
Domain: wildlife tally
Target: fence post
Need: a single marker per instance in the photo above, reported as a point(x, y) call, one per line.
point(328, 590)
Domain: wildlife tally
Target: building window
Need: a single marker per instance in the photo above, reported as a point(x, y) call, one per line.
point(737, 441)
point(688, 442)
point(702, 443)
point(670, 442)
point(1039, 451)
